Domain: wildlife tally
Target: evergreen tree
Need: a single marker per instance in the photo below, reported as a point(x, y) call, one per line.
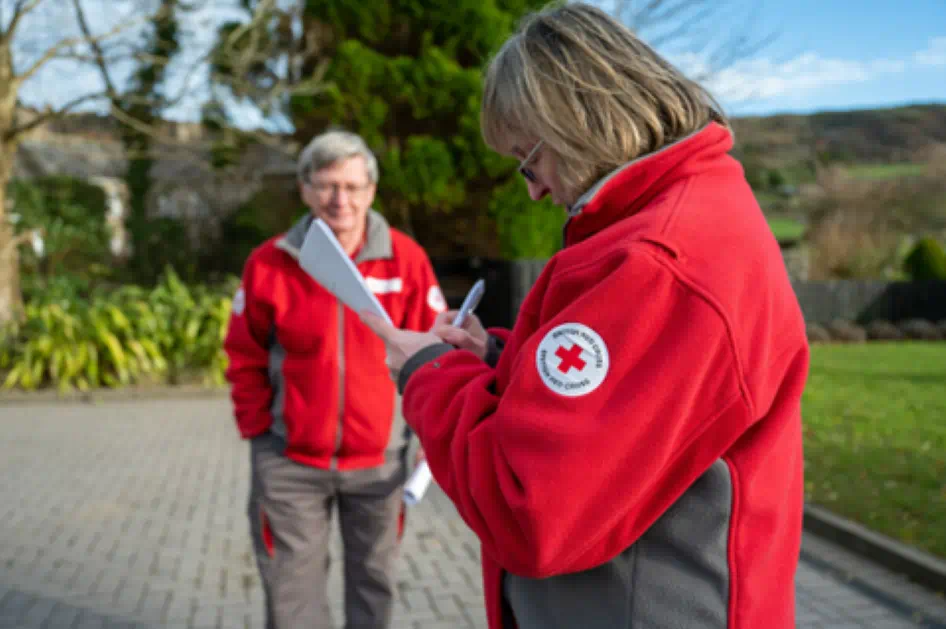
point(407, 76)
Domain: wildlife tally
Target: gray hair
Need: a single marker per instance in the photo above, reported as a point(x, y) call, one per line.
point(331, 146)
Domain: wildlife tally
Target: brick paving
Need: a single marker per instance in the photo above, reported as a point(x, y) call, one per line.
point(131, 514)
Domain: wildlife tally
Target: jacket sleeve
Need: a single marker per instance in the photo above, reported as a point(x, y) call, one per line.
point(246, 345)
point(552, 481)
point(426, 299)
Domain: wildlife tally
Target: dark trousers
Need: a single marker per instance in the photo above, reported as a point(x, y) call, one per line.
point(290, 510)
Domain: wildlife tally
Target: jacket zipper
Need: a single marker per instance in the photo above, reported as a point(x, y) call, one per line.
point(341, 384)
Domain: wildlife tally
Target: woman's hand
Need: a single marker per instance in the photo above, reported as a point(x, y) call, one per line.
point(471, 336)
point(400, 344)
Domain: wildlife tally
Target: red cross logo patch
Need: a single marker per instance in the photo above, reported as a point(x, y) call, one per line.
point(572, 360)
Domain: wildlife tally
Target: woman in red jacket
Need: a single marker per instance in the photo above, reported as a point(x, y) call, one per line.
point(630, 453)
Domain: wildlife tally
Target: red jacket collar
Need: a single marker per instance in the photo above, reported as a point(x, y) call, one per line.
point(632, 186)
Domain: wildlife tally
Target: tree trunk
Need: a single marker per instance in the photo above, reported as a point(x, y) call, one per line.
point(10, 298)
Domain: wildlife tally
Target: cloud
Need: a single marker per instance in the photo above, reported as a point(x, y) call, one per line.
point(882, 66)
point(934, 55)
point(765, 79)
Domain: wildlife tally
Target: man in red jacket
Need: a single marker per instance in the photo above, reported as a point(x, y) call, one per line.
point(313, 395)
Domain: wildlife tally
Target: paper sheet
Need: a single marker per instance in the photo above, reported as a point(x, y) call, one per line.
point(323, 258)
point(417, 484)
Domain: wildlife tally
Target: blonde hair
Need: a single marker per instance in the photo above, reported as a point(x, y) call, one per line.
point(597, 95)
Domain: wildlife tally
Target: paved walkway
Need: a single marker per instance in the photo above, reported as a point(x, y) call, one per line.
point(130, 514)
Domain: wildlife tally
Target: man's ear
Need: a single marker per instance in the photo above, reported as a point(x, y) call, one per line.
point(372, 193)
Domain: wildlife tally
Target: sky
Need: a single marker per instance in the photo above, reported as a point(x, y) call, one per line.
point(841, 54)
point(823, 55)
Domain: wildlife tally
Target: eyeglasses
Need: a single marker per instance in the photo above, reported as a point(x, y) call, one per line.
point(527, 172)
point(329, 190)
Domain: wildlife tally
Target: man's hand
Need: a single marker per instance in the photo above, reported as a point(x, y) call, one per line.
point(400, 344)
point(472, 336)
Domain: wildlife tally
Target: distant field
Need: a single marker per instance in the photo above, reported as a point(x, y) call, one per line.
point(886, 171)
point(786, 228)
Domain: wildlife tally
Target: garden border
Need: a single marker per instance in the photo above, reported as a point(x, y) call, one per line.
point(144, 392)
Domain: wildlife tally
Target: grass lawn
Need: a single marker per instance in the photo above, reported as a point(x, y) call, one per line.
point(886, 171)
point(875, 438)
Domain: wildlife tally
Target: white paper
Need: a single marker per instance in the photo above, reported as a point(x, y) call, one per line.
point(323, 258)
point(417, 484)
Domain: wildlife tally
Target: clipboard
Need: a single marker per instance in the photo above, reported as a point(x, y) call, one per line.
point(323, 258)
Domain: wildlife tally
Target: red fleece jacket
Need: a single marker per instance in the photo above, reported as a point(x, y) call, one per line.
point(665, 336)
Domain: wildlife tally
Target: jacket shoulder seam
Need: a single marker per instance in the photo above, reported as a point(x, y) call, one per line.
point(709, 299)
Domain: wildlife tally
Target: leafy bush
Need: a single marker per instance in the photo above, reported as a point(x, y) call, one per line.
point(857, 226)
point(131, 335)
point(267, 213)
point(775, 179)
point(927, 261)
point(526, 229)
point(72, 214)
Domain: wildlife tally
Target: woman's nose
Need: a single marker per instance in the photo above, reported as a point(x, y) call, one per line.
point(537, 190)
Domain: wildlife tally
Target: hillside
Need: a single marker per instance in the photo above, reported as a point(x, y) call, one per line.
point(879, 136)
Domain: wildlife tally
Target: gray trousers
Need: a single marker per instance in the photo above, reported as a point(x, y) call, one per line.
point(290, 511)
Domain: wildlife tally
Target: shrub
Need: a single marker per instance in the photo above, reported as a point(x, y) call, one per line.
point(921, 330)
point(775, 179)
point(267, 213)
point(846, 331)
point(848, 245)
point(755, 173)
point(817, 333)
point(926, 261)
point(883, 331)
point(857, 225)
point(72, 214)
point(526, 229)
point(131, 335)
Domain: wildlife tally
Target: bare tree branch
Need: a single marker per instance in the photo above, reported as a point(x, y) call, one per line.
point(686, 26)
point(20, 10)
point(48, 114)
point(98, 55)
point(56, 50)
point(696, 27)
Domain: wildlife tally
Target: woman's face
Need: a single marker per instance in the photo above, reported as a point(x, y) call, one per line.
point(539, 168)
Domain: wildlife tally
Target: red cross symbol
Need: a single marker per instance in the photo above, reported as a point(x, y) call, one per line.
point(570, 358)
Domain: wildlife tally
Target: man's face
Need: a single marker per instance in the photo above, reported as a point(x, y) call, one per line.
point(340, 194)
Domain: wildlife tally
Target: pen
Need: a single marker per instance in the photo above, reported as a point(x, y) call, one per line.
point(470, 303)
point(420, 478)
